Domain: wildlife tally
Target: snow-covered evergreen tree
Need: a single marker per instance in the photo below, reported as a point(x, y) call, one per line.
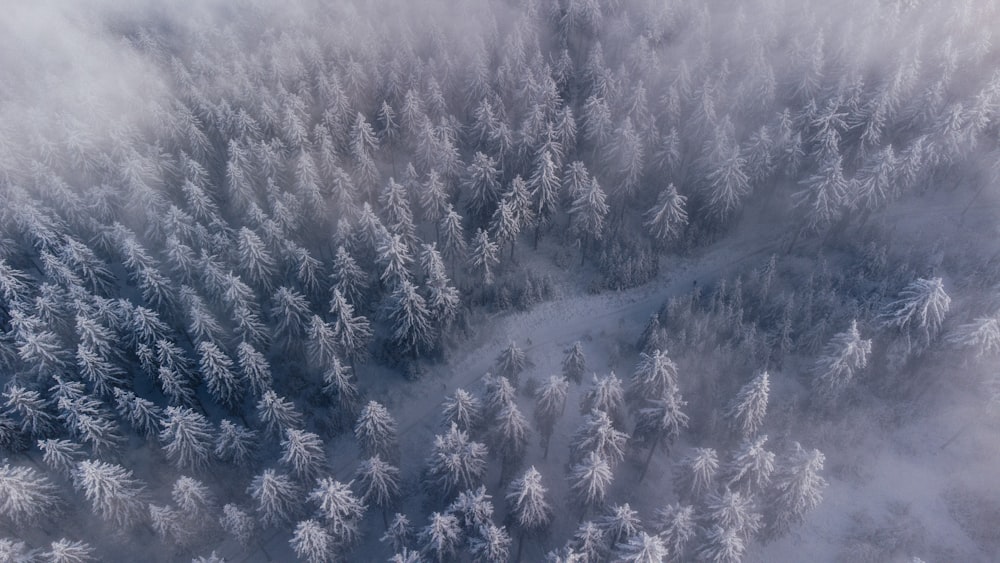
point(550, 403)
point(746, 412)
point(60, 455)
point(982, 334)
point(376, 431)
point(399, 533)
point(668, 218)
point(750, 467)
point(575, 364)
point(254, 367)
point(26, 495)
point(142, 414)
point(409, 319)
point(303, 453)
point(456, 463)
point(341, 509)
point(732, 510)
point(186, 438)
point(607, 395)
point(643, 548)
point(722, 545)
point(921, 305)
point(312, 542)
point(597, 434)
point(589, 481)
point(441, 537)
point(484, 256)
point(237, 523)
point(277, 498)
point(509, 436)
point(676, 525)
point(235, 444)
point(217, 369)
point(797, 488)
point(277, 413)
point(379, 483)
point(113, 493)
point(696, 473)
point(511, 362)
point(352, 332)
point(491, 545)
point(660, 423)
point(69, 551)
point(528, 508)
point(843, 357)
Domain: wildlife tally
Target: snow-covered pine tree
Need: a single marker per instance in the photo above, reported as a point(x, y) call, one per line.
point(341, 509)
point(409, 319)
point(142, 414)
point(544, 186)
point(254, 367)
point(290, 311)
point(32, 410)
point(511, 362)
point(340, 384)
point(643, 548)
point(660, 422)
point(589, 481)
point(732, 510)
point(587, 213)
point(376, 433)
point(255, 263)
point(498, 394)
point(824, 194)
point(797, 488)
point(321, 342)
point(491, 545)
point(394, 257)
point(482, 185)
point(303, 453)
point(722, 545)
point(746, 412)
point(982, 334)
point(550, 403)
point(695, 473)
point(196, 503)
point(655, 375)
point(237, 523)
point(399, 533)
point(676, 525)
point(217, 369)
point(312, 543)
point(26, 496)
point(187, 438)
point(114, 494)
point(379, 483)
point(278, 499)
point(69, 551)
point(462, 409)
point(620, 523)
point(473, 508)
point(352, 332)
point(844, 356)
point(441, 537)
point(750, 467)
point(452, 237)
point(277, 413)
point(509, 437)
point(60, 455)
point(348, 278)
point(529, 511)
point(575, 364)
point(598, 434)
point(605, 394)
point(456, 463)
point(235, 444)
point(484, 256)
point(921, 305)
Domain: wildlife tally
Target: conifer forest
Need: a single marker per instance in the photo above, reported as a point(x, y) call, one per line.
point(553, 281)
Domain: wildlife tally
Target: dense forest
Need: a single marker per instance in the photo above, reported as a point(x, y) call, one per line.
point(248, 248)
